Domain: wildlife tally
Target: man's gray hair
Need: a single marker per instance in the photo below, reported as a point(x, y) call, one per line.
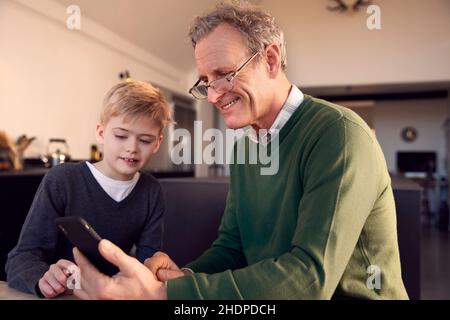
point(257, 27)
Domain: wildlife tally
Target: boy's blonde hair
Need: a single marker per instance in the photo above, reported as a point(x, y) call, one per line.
point(134, 99)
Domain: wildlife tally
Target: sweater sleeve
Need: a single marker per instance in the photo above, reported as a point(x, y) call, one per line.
point(31, 257)
point(340, 188)
point(149, 240)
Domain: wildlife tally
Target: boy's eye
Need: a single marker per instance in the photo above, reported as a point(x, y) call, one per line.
point(120, 137)
point(146, 141)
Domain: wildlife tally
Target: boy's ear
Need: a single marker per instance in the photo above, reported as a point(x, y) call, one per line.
point(100, 133)
point(158, 143)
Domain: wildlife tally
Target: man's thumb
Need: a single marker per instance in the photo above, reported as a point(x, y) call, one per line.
point(114, 254)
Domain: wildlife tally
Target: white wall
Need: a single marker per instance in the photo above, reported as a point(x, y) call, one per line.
point(427, 116)
point(329, 48)
point(52, 79)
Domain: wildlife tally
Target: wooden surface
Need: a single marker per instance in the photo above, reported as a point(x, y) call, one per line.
point(7, 293)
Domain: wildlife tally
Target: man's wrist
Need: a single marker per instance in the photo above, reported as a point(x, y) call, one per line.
point(186, 272)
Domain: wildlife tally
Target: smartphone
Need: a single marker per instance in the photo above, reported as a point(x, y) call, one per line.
point(81, 234)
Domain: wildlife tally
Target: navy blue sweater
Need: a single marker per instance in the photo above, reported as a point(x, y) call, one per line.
point(71, 190)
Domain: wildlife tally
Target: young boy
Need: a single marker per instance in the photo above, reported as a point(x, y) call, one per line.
point(121, 203)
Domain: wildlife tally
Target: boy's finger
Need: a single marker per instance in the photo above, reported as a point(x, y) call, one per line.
point(46, 289)
point(56, 286)
point(59, 275)
point(66, 265)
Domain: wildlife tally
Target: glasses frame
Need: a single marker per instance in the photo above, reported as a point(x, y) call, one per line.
point(229, 77)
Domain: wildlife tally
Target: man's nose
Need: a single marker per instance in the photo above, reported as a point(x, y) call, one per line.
point(213, 96)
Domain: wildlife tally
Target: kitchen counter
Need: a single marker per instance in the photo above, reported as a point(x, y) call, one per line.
point(26, 172)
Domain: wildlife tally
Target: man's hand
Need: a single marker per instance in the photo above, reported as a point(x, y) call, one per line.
point(54, 281)
point(163, 267)
point(134, 281)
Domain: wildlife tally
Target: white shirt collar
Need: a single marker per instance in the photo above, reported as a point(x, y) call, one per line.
point(293, 101)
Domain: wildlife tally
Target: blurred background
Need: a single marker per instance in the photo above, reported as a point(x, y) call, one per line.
point(53, 77)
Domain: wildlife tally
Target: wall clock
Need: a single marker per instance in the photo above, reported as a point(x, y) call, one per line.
point(409, 134)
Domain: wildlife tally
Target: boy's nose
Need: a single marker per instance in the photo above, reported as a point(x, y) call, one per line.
point(131, 146)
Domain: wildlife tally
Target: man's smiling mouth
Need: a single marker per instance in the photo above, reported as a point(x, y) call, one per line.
point(229, 105)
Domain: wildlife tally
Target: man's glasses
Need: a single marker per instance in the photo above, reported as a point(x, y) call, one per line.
point(222, 85)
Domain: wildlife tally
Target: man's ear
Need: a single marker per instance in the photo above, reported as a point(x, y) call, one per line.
point(100, 133)
point(158, 143)
point(273, 55)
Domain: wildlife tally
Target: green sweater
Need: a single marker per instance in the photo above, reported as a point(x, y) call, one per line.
point(312, 230)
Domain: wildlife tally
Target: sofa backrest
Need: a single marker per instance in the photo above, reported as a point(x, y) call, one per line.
point(194, 209)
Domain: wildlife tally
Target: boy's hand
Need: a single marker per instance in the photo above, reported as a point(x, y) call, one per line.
point(54, 281)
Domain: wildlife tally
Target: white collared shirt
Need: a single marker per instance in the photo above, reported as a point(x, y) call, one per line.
point(293, 101)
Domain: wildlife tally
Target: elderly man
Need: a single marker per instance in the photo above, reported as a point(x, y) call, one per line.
point(315, 228)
